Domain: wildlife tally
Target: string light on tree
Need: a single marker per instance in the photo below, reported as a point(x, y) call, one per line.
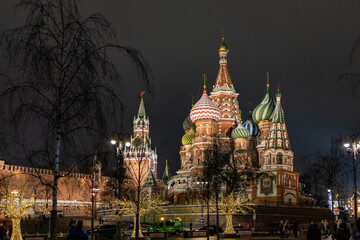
point(14, 206)
point(230, 205)
point(147, 205)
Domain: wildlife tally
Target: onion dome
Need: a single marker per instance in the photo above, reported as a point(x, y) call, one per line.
point(264, 111)
point(204, 109)
point(188, 137)
point(223, 47)
point(240, 132)
point(252, 127)
point(187, 124)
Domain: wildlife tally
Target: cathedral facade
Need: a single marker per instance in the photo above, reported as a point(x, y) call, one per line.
point(262, 141)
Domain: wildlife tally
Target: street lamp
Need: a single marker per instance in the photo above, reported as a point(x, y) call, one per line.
point(354, 148)
point(120, 161)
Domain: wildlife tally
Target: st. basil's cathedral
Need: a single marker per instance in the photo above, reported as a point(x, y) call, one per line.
point(262, 140)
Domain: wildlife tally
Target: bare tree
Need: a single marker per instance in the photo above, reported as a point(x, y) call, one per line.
point(62, 83)
point(226, 167)
point(327, 171)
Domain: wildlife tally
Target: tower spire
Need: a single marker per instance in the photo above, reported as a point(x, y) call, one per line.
point(141, 112)
point(267, 81)
point(204, 78)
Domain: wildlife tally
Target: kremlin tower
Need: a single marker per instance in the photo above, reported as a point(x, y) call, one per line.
point(139, 154)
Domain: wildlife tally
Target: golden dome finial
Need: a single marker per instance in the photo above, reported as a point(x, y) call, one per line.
point(267, 81)
point(204, 77)
point(192, 100)
point(223, 47)
point(250, 111)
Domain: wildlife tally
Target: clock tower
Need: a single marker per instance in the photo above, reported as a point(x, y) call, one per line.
point(140, 158)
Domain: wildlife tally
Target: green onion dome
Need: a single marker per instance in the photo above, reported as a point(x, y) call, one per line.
point(187, 124)
point(240, 132)
point(188, 137)
point(265, 110)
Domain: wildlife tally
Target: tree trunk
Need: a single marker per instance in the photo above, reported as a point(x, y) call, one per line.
point(208, 217)
point(16, 232)
point(229, 226)
point(217, 216)
point(134, 232)
point(55, 188)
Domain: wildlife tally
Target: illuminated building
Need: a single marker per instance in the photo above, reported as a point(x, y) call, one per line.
point(262, 141)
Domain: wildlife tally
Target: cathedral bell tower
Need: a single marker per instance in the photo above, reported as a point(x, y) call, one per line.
point(225, 97)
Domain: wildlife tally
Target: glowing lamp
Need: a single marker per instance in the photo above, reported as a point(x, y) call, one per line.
point(127, 144)
point(346, 145)
point(162, 219)
point(113, 142)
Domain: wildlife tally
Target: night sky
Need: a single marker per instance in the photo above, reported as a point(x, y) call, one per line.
point(304, 45)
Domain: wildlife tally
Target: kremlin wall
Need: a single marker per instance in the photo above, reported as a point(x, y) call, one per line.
point(74, 194)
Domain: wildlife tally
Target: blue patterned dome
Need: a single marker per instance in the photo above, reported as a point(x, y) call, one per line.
point(252, 127)
point(240, 132)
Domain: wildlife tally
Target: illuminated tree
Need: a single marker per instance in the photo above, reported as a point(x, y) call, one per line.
point(15, 206)
point(230, 205)
point(148, 204)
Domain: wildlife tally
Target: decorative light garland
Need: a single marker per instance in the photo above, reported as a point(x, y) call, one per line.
point(148, 204)
point(230, 205)
point(14, 206)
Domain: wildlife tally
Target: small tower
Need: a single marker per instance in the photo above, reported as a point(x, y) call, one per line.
point(240, 136)
point(262, 115)
point(187, 141)
point(254, 133)
point(150, 184)
point(95, 171)
point(166, 175)
point(205, 114)
point(225, 97)
point(277, 181)
point(141, 121)
point(278, 154)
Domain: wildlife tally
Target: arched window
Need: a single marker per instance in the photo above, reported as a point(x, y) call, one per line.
point(269, 159)
point(279, 158)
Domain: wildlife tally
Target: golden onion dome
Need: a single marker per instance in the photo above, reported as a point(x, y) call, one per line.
point(223, 47)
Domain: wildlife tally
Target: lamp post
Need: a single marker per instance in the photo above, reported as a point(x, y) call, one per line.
point(120, 161)
point(354, 148)
point(94, 192)
point(95, 184)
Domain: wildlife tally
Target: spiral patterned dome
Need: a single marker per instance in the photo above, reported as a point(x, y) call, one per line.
point(188, 137)
point(240, 132)
point(204, 109)
point(187, 124)
point(252, 127)
point(265, 110)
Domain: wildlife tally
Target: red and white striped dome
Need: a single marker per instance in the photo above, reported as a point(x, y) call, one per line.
point(204, 109)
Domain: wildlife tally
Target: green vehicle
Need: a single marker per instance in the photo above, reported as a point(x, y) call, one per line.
point(174, 225)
